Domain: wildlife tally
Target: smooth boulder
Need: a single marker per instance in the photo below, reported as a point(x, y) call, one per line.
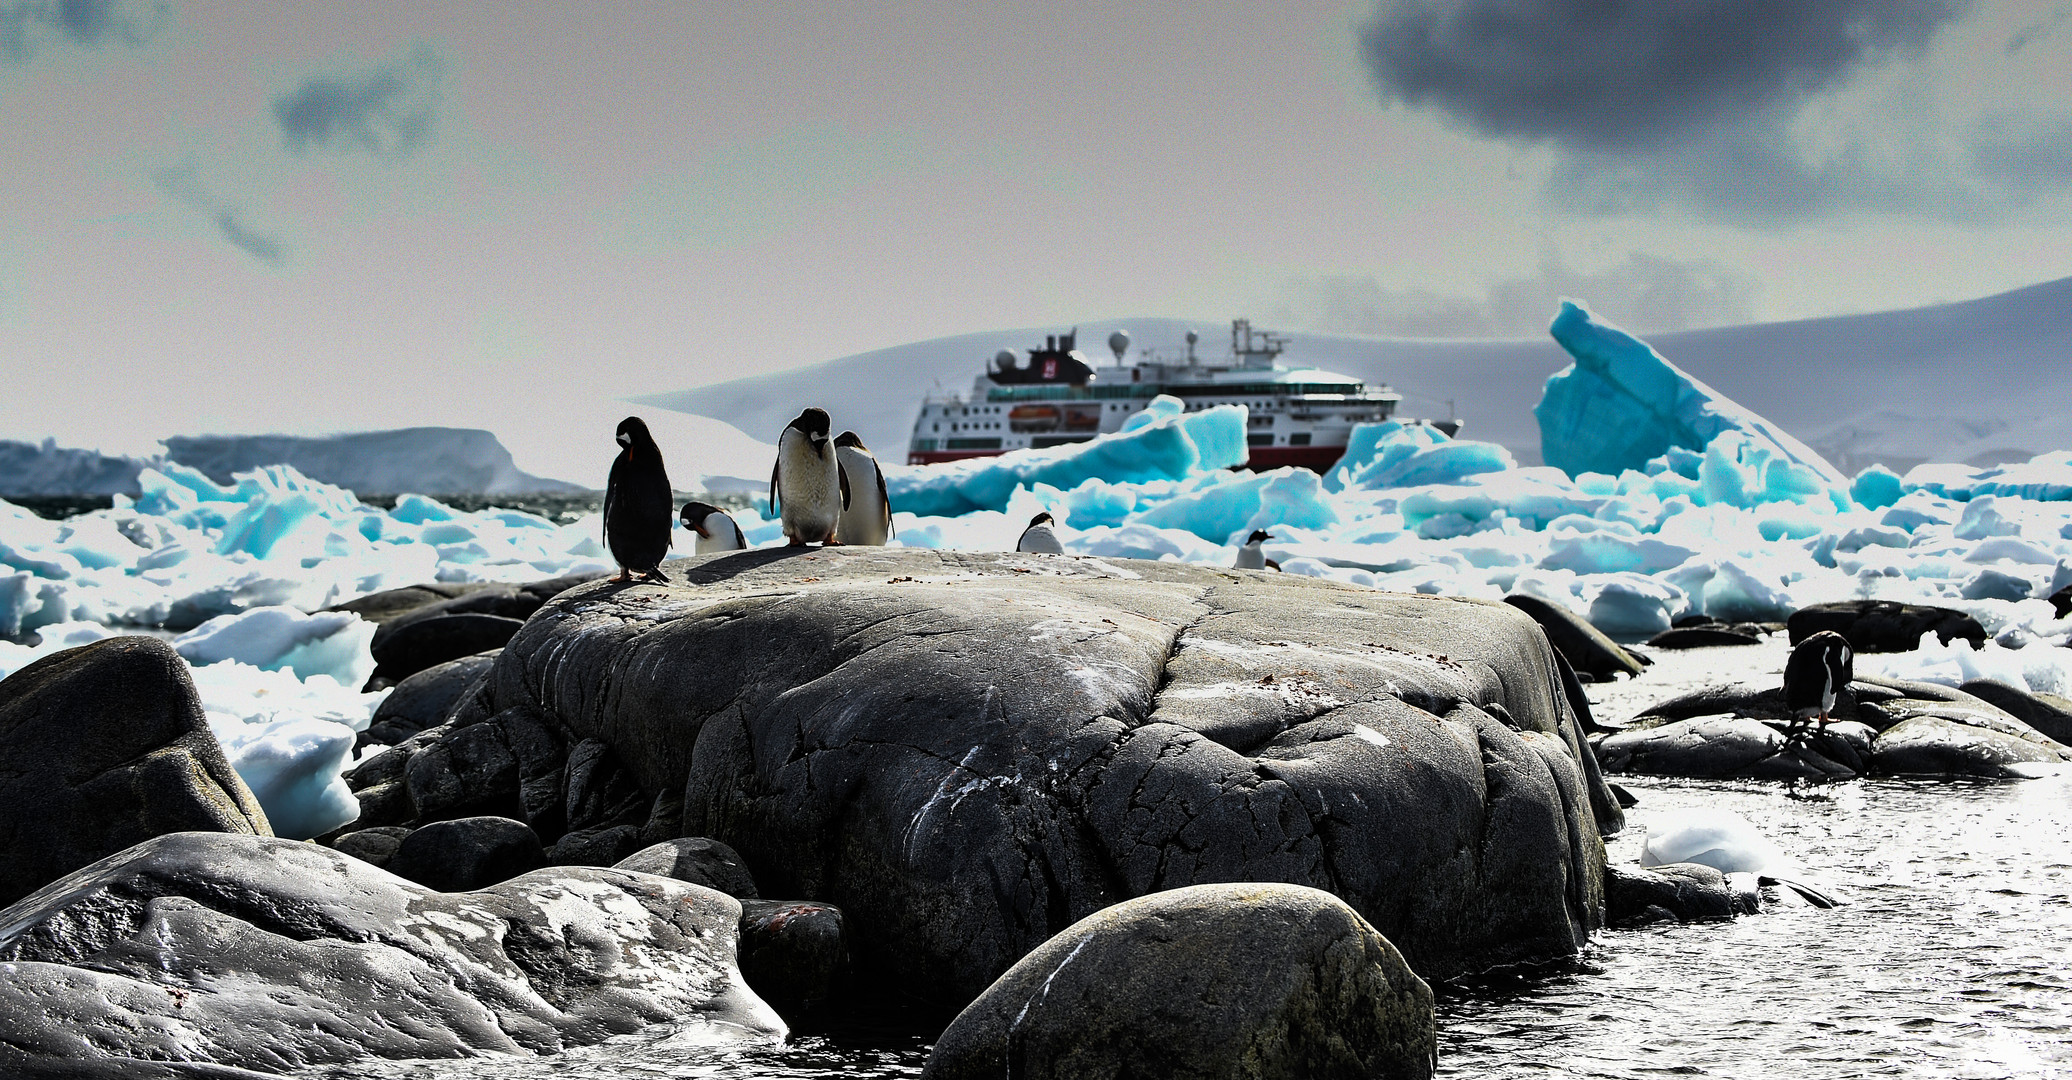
point(1674, 892)
point(1240, 980)
point(1926, 744)
point(1701, 637)
point(426, 699)
point(1723, 747)
point(273, 955)
point(102, 747)
point(792, 951)
point(464, 854)
point(697, 860)
point(1885, 625)
point(967, 752)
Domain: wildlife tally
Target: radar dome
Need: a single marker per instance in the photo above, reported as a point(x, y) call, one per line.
point(1004, 360)
point(1119, 343)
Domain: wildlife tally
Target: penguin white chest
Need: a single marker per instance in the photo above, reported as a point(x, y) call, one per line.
point(867, 520)
point(809, 487)
point(1252, 556)
point(726, 536)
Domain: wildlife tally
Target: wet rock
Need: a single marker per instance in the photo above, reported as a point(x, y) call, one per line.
point(598, 791)
point(697, 860)
point(424, 700)
point(1885, 625)
point(128, 1069)
point(1237, 980)
point(1701, 637)
point(424, 625)
point(102, 747)
point(792, 951)
point(1585, 647)
point(1716, 747)
point(465, 772)
point(2047, 713)
point(407, 646)
point(273, 955)
point(596, 847)
point(374, 845)
point(966, 752)
point(1686, 892)
point(466, 853)
point(1932, 745)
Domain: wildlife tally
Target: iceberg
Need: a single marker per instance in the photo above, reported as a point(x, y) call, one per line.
point(1620, 404)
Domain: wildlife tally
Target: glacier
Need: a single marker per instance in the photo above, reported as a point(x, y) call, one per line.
point(1714, 512)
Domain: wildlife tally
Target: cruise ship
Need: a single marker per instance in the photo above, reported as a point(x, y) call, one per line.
point(1296, 415)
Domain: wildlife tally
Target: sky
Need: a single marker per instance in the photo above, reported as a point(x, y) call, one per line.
point(317, 217)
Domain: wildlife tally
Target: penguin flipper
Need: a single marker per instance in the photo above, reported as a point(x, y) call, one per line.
point(842, 475)
point(611, 490)
point(775, 468)
point(884, 502)
point(1810, 894)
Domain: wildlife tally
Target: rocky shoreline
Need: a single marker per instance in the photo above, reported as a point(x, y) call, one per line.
point(973, 770)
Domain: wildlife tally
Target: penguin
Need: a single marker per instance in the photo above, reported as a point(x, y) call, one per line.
point(868, 518)
point(1729, 843)
point(1039, 538)
point(636, 504)
point(808, 489)
point(1820, 666)
point(1252, 556)
point(715, 528)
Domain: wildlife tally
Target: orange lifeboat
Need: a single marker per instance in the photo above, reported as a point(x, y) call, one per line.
point(1033, 418)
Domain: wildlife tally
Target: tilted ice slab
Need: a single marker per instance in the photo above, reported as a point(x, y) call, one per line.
point(1621, 404)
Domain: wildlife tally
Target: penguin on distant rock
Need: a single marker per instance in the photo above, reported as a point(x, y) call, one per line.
point(714, 527)
point(1039, 538)
point(1252, 556)
point(1820, 666)
point(808, 490)
point(636, 504)
point(868, 517)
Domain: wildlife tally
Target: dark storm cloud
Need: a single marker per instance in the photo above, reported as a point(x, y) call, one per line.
point(1645, 293)
point(1611, 75)
point(183, 186)
point(28, 24)
point(387, 111)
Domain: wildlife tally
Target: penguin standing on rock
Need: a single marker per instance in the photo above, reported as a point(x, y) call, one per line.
point(868, 517)
point(636, 504)
point(1039, 538)
point(1252, 556)
point(807, 487)
point(714, 527)
point(1820, 666)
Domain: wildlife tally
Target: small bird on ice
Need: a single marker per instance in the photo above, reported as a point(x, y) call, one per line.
point(808, 489)
point(1252, 556)
point(1820, 666)
point(868, 517)
point(636, 504)
point(1039, 538)
point(714, 527)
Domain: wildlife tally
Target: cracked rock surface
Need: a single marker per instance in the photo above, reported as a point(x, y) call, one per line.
point(968, 752)
point(269, 954)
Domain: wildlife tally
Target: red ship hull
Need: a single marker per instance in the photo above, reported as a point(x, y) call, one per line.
point(1314, 458)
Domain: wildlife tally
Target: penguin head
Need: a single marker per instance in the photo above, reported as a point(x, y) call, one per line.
point(1042, 519)
point(694, 515)
point(633, 432)
point(851, 439)
point(813, 424)
point(1258, 535)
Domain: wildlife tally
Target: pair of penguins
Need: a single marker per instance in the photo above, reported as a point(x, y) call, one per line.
point(1040, 538)
point(810, 488)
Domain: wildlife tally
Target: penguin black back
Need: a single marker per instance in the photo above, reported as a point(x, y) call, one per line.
point(638, 507)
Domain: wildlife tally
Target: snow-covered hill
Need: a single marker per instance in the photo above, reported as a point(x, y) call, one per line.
point(1980, 381)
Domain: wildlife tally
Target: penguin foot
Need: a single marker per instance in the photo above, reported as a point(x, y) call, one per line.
point(830, 542)
point(624, 576)
point(796, 542)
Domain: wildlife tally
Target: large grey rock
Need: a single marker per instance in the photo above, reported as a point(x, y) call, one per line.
point(1929, 744)
point(375, 845)
point(1678, 892)
point(424, 625)
point(1701, 637)
point(271, 954)
point(425, 700)
point(968, 752)
point(697, 860)
point(2049, 714)
point(1240, 980)
point(410, 645)
point(1885, 625)
point(465, 772)
point(466, 853)
point(1587, 648)
point(1717, 747)
point(101, 747)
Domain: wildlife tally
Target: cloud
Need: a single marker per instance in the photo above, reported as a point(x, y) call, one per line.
point(1632, 74)
point(182, 185)
point(28, 24)
point(388, 111)
point(1645, 293)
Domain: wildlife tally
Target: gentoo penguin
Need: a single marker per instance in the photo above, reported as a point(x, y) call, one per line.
point(1252, 556)
point(1820, 666)
point(715, 528)
point(868, 518)
point(807, 488)
point(1727, 842)
point(636, 504)
point(1039, 538)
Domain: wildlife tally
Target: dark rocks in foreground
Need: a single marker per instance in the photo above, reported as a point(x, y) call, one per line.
point(272, 954)
point(1676, 892)
point(1239, 980)
point(1885, 625)
point(102, 747)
